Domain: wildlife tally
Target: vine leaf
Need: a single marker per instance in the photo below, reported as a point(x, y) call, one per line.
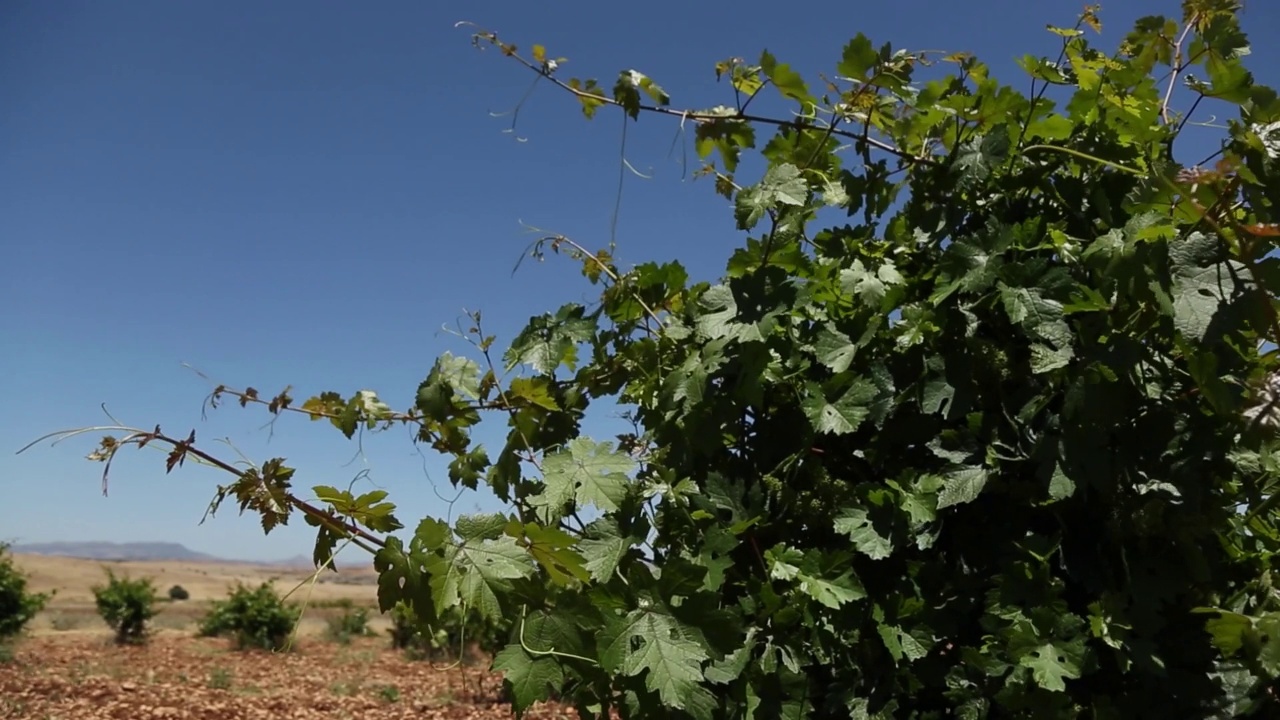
point(1053, 663)
point(400, 578)
point(977, 157)
point(550, 341)
point(846, 413)
point(1202, 284)
point(533, 391)
point(787, 563)
point(477, 570)
point(530, 678)
point(835, 350)
point(587, 472)
point(649, 640)
point(962, 486)
point(858, 57)
point(856, 525)
point(781, 185)
point(603, 548)
point(553, 549)
point(532, 667)
point(788, 81)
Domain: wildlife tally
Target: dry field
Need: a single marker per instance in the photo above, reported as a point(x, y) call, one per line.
point(72, 609)
point(83, 677)
point(67, 667)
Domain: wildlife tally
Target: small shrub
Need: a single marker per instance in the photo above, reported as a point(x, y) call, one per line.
point(407, 635)
point(447, 636)
point(177, 593)
point(353, 622)
point(6, 652)
point(389, 693)
point(127, 605)
point(220, 679)
point(256, 618)
point(17, 605)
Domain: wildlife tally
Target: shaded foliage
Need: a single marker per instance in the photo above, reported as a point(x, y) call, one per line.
point(450, 635)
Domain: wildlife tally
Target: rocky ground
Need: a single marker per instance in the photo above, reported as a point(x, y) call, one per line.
point(84, 677)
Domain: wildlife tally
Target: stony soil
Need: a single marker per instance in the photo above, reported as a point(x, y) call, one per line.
point(84, 677)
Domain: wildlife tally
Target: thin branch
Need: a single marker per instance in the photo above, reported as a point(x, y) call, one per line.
point(142, 438)
point(555, 240)
point(1178, 67)
point(704, 116)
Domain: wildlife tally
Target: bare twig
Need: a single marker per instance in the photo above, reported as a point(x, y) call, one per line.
point(1178, 67)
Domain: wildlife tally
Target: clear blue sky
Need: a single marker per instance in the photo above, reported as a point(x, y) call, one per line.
point(305, 192)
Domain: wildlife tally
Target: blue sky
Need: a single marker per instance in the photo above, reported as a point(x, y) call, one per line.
point(304, 193)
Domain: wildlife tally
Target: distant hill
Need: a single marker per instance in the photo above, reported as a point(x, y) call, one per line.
point(145, 552)
point(116, 551)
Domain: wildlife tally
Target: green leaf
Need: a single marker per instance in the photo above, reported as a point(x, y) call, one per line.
point(461, 374)
point(467, 468)
point(858, 57)
point(962, 486)
point(603, 548)
point(1061, 487)
point(856, 280)
point(533, 391)
point(856, 524)
point(1202, 283)
point(788, 563)
point(651, 642)
point(477, 573)
point(552, 548)
point(398, 578)
point(977, 157)
point(586, 472)
point(834, 592)
point(715, 557)
point(1053, 663)
point(1046, 359)
point(1043, 320)
point(834, 349)
point(1230, 631)
point(730, 136)
point(788, 81)
point(549, 341)
point(781, 185)
point(719, 316)
point(732, 666)
point(846, 413)
point(900, 644)
point(531, 679)
point(590, 95)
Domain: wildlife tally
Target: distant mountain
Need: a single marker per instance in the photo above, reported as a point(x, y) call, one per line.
point(115, 551)
point(145, 551)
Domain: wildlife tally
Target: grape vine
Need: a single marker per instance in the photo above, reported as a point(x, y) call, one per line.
point(1000, 442)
